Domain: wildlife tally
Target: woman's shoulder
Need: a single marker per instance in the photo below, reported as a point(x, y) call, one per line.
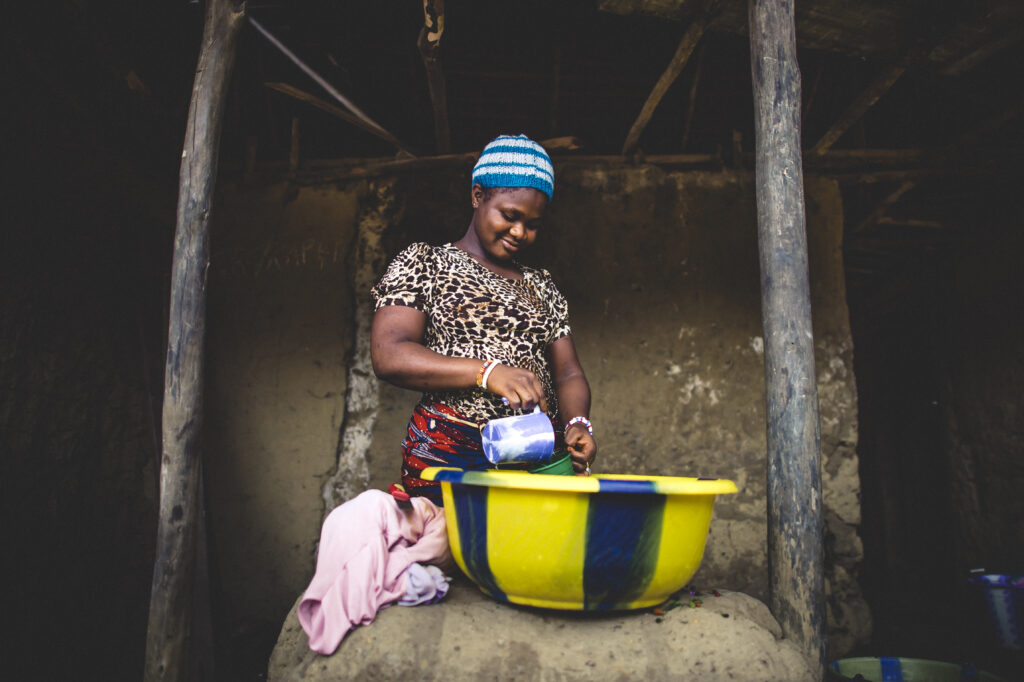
point(415, 251)
point(416, 256)
point(540, 276)
point(425, 251)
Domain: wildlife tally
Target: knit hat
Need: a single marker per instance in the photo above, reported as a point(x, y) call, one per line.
point(515, 161)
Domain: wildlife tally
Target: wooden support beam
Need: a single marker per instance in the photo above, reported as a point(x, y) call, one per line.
point(691, 103)
point(313, 100)
point(911, 222)
point(879, 210)
point(986, 50)
point(429, 43)
point(851, 158)
point(878, 87)
point(332, 170)
point(168, 631)
point(675, 67)
point(812, 95)
point(795, 525)
point(986, 127)
point(916, 175)
point(322, 82)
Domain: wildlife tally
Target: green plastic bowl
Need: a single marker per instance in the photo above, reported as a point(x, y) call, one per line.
point(558, 466)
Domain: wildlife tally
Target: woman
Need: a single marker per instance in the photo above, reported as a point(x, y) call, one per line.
point(479, 333)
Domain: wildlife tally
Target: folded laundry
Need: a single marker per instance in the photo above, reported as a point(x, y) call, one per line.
point(366, 548)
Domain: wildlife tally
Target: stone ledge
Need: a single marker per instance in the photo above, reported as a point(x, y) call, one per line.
point(469, 636)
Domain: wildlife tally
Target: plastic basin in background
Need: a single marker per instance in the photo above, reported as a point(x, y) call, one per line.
point(1003, 597)
point(593, 543)
point(887, 669)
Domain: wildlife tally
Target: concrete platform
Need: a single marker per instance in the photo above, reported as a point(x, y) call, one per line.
point(468, 636)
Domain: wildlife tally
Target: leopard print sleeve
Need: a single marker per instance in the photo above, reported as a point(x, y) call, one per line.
point(407, 280)
point(557, 306)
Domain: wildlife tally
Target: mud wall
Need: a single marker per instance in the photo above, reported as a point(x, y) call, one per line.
point(279, 329)
point(83, 256)
point(661, 273)
point(940, 364)
point(980, 394)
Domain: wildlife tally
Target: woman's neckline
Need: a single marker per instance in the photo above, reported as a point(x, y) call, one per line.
point(475, 260)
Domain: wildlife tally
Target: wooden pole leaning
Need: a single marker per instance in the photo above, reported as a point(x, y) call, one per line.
point(168, 631)
point(795, 530)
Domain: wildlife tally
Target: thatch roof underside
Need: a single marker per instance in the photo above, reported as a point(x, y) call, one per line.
point(911, 105)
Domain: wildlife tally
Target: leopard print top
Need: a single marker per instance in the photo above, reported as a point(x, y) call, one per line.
point(476, 313)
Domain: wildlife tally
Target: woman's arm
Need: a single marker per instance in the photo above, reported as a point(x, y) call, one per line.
point(400, 358)
point(573, 393)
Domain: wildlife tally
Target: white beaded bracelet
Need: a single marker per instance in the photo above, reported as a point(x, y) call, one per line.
point(487, 373)
point(581, 420)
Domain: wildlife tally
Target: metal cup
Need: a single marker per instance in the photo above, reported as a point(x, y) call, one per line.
point(522, 438)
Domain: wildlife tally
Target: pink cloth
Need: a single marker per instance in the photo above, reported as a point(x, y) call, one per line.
point(366, 545)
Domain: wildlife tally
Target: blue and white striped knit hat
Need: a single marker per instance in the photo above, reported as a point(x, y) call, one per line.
point(515, 161)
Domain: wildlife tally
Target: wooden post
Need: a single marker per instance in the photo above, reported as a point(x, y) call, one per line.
point(429, 43)
point(167, 636)
point(795, 552)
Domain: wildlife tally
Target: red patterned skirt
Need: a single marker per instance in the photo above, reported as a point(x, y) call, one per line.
point(441, 437)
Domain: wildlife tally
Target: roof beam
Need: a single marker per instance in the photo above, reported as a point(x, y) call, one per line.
point(878, 212)
point(867, 99)
point(429, 43)
point(675, 67)
point(333, 110)
point(322, 82)
point(972, 59)
point(692, 103)
point(971, 137)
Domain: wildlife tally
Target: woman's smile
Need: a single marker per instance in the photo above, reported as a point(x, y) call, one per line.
point(505, 221)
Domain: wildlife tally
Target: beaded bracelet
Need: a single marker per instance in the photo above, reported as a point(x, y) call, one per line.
point(487, 373)
point(480, 372)
point(581, 420)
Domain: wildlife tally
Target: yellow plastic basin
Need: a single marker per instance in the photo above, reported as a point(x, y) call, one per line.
point(603, 542)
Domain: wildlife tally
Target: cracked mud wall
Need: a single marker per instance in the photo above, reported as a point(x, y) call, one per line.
point(661, 273)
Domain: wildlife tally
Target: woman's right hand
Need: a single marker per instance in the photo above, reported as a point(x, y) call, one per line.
point(520, 387)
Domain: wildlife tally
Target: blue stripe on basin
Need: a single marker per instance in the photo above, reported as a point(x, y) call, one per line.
point(892, 669)
point(471, 512)
point(626, 486)
point(621, 552)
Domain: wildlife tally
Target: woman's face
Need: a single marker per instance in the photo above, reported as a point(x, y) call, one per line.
point(506, 220)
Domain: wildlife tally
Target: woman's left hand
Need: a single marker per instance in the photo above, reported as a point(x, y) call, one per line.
point(582, 448)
